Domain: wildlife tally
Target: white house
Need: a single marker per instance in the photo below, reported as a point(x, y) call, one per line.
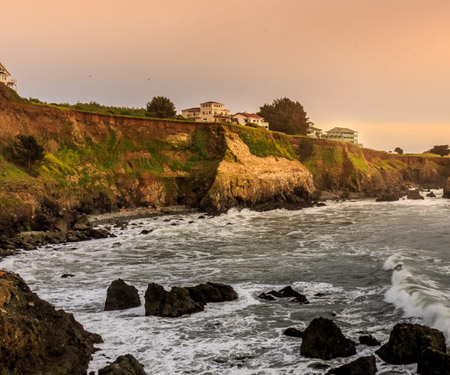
point(208, 112)
point(244, 118)
point(342, 134)
point(313, 132)
point(5, 78)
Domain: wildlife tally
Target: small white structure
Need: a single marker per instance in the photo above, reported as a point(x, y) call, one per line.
point(313, 132)
point(342, 134)
point(244, 118)
point(5, 78)
point(208, 112)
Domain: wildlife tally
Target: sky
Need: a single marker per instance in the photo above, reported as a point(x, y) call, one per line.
point(381, 67)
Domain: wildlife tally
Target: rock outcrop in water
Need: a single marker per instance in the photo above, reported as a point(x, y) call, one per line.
point(35, 338)
point(407, 341)
point(123, 365)
point(120, 296)
point(286, 292)
point(181, 301)
point(323, 339)
point(433, 362)
point(447, 189)
point(360, 366)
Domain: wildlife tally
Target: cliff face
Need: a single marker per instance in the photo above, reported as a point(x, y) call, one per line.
point(97, 163)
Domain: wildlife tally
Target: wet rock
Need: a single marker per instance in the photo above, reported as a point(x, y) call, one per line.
point(267, 297)
point(171, 304)
point(414, 195)
point(212, 292)
point(323, 339)
point(293, 332)
point(37, 339)
point(447, 189)
point(146, 231)
point(432, 362)
point(368, 340)
point(431, 195)
point(66, 275)
point(407, 341)
point(123, 365)
point(388, 197)
point(361, 366)
point(120, 296)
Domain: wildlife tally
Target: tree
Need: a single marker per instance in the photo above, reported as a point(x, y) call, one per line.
point(26, 151)
point(285, 116)
point(398, 150)
point(442, 150)
point(161, 107)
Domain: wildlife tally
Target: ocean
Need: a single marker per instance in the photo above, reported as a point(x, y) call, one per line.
point(366, 265)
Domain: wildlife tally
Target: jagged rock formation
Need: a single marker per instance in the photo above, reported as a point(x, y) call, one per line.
point(407, 341)
point(360, 366)
point(245, 180)
point(35, 338)
point(120, 296)
point(123, 365)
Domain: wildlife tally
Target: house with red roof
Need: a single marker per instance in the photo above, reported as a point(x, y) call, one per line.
point(208, 112)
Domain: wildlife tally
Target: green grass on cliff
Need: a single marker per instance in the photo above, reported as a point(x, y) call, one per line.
point(262, 143)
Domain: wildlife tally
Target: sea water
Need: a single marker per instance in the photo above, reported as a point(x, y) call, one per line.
point(366, 265)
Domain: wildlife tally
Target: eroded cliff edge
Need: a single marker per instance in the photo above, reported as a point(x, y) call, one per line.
point(99, 163)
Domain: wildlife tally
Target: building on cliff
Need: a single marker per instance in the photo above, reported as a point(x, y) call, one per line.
point(5, 78)
point(244, 118)
point(208, 112)
point(313, 132)
point(342, 134)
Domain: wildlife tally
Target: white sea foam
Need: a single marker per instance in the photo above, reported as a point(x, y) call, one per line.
point(417, 295)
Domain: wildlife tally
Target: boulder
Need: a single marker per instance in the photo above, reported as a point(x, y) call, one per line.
point(123, 365)
point(388, 197)
point(368, 340)
point(447, 189)
point(407, 341)
point(35, 338)
point(431, 195)
point(361, 366)
point(212, 292)
point(286, 292)
point(323, 339)
point(120, 296)
point(432, 362)
point(293, 332)
point(414, 195)
point(267, 297)
point(171, 304)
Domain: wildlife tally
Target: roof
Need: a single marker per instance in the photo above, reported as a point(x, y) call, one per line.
point(196, 109)
point(211, 102)
point(252, 115)
point(3, 68)
point(312, 128)
point(341, 130)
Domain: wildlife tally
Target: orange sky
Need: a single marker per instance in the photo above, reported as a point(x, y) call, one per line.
point(381, 67)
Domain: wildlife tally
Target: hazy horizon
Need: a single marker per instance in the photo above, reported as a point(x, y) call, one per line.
point(380, 68)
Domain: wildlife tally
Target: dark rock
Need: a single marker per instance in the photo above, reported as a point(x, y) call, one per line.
point(293, 332)
point(227, 292)
point(319, 295)
point(368, 340)
point(432, 362)
point(300, 299)
point(447, 189)
point(323, 339)
point(320, 204)
point(361, 366)
point(288, 292)
point(431, 195)
point(123, 365)
point(147, 231)
point(66, 275)
point(266, 297)
point(37, 339)
point(414, 195)
point(205, 293)
point(388, 197)
point(120, 296)
point(407, 341)
point(274, 293)
point(171, 304)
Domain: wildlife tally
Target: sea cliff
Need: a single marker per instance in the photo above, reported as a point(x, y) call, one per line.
point(99, 163)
